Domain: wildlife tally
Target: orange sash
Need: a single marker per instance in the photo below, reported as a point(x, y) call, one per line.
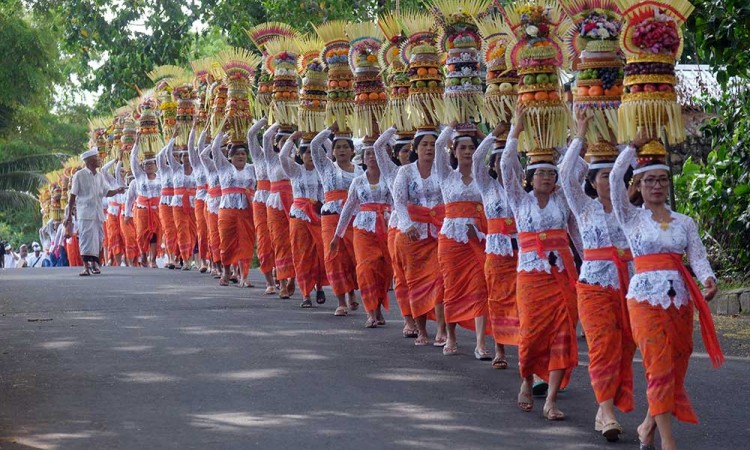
point(338, 194)
point(423, 214)
point(550, 240)
point(247, 192)
point(307, 205)
point(620, 258)
point(149, 203)
point(465, 210)
point(673, 261)
point(284, 189)
point(185, 193)
point(264, 185)
point(381, 230)
point(202, 187)
point(167, 192)
point(502, 225)
point(214, 192)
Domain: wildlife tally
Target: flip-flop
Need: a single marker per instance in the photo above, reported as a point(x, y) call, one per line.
point(499, 364)
point(341, 311)
point(96, 271)
point(170, 266)
point(439, 343)
point(203, 270)
point(353, 305)
point(553, 417)
point(421, 341)
point(370, 323)
point(306, 303)
point(410, 333)
point(482, 355)
point(320, 297)
point(611, 431)
point(270, 290)
point(85, 273)
point(525, 402)
point(450, 351)
point(539, 389)
point(642, 446)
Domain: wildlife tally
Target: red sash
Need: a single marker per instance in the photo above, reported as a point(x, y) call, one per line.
point(467, 210)
point(381, 230)
point(214, 192)
point(185, 193)
point(247, 192)
point(284, 189)
point(502, 225)
point(202, 187)
point(423, 214)
point(264, 185)
point(149, 203)
point(550, 240)
point(307, 205)
point(338, 194)
point(673, 261)
point(620, 258)
point(167, 192)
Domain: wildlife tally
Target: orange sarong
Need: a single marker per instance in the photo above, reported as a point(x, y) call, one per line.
point(500, 272)
point(548, 316)
point(278, 226)
point(399, 286)
point(202, 228)
point(263, 237)
point(74, 252)
point(214, 238)
point(420, 261)
point(307, 254)
point(147, 223)
point(237, 235)
point(129, 238)
point(115, 244)
point(611, 347)
point(170, 230)
point(462, 267)
point(340, 266)
point(186, 230)
point(374, 270)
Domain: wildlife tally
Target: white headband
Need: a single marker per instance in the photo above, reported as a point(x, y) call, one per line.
point(497, 150)
point(149, 160)
point(602, 165)
point(542, 165)
point(652, 167)
point(462, 138)
point(402, 141)
point(421, 133)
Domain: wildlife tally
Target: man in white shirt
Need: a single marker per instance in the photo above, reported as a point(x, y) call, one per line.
point(87, 190)
point(36, 259)
point(10, 257)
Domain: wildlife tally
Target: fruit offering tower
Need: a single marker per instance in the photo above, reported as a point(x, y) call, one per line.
point(150, 142)
point(594, 47)
point(98, 135)
point(396, 113)
point(652, 42)
point(260, 35)
point(340, 106)
point(127, 140)
point(282, 58)
point(167, 106)
point(312, 105)
point(502, 83)
point(537, 54)
point(239, 67)
point(419, 51)
point(463, 100)
point(201, 82)
point(184, 95)
point(217, 98)
point(365, 41)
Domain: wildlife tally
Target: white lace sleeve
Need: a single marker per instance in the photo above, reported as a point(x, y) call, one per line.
point(623, 209)
point(347, 212)
point(252, 140)
point(696, 253)
point(574, 194)
point(511, 170)
point(388, 168)
point(268, 145)
point(322, 162)
point(401, 199)
point(192, 151)
point(130, 199)
point(288, 164)
point(442, 160)
point(135, 167)
point(478, 167)
point(207, 162)
point(220, 161)
point(169, 155)
point(575, 234)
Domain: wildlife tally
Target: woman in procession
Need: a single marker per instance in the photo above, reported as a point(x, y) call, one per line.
point(183, 205)
point(546, 274)
point(148, 227)
point(336, 178)
point(501, 245)
point(213, 201)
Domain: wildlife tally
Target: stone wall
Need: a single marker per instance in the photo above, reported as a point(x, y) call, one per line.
point(736, 301)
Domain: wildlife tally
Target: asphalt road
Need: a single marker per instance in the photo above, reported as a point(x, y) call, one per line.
point(157, 359)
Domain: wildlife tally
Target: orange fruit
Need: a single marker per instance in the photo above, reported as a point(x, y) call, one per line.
point(553, 95)
point(382, 96)
point(421, 71)
point(372, 58)
point(491, 76)
point(343, 84)
point(527, 97)
point(362, 97)
point(583, 91)
point(333, 84)
point(432, 71)
point(540, 96)
point(315, 103)
point(374, 96)
point(596, 91)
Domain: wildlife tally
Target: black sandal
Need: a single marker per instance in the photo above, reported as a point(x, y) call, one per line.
point(320, 297)
point(306, 303)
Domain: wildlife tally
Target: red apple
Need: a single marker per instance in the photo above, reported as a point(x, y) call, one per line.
point(649, 88)
point(665, 88)
point(634, 89)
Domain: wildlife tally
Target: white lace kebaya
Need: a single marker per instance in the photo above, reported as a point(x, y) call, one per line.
point(530, 217)
point(362, 192)
point(214, 183)
point(332, 176)
point(305, 183)
point(410, 188)
point(647, 237)
point(273, 165)
point(455, 190)
point(260, 165)
point(199, 173)
point(145, 188)
point(180, 180)
point(231, 178)
point(388, 168)
point(597, 228)
point(494, 197)
point(165, 173)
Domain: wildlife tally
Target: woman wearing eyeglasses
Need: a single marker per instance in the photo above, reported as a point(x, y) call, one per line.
point(546, 273)
point(662, 293)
